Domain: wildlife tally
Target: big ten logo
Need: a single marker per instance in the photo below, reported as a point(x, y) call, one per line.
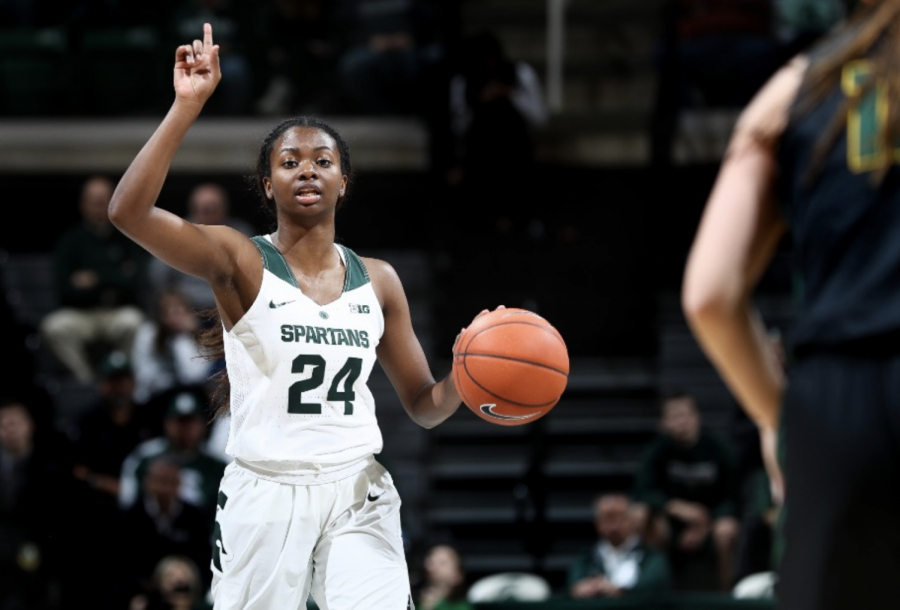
point(354, 308)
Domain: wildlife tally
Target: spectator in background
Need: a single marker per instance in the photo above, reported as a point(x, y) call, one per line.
point(176, 586)
point(109, 429)
point(686, 491)
point(101, 439)
point(160, 524)
point(444, 585)
point(619, 562)
point(303, 68)
point(166, 351)
point(184, 439)
point(98, 276)
point(391, 51)
point(208, 204)
point(34, 475)
point(495, 105)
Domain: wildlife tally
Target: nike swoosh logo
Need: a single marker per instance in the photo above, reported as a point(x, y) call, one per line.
point(372, 498)
point(275, 305)
point(489, 411)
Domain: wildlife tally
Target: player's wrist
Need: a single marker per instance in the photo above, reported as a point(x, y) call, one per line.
point(186, 108)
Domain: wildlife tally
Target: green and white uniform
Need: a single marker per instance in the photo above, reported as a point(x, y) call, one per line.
point(304, 505)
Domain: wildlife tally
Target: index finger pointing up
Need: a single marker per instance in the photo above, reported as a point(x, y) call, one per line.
point(207, 38)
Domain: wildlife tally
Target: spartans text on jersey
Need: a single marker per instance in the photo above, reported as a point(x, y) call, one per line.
point(296, 333)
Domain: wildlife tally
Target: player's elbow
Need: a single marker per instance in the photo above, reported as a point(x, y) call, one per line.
point(117, 213)
point(704, 302)
point(423, 419)
point(428, 425)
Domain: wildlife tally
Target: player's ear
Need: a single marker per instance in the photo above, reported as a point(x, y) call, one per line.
point(267, 186)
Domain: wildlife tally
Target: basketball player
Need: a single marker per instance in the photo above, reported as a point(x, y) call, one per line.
point(815, 153)
point(304, 505)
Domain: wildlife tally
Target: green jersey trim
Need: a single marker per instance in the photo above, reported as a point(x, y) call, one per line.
point(357, 274)
point(274, 261)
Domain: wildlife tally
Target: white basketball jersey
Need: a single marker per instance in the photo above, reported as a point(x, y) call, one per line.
point(300, 405)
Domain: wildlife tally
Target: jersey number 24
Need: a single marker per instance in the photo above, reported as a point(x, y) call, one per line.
point(347, 375)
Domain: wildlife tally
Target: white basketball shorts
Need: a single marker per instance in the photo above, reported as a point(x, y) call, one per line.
point(276, 543)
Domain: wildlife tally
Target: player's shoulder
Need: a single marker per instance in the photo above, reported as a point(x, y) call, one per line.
point(381, 272)
point(766, 116)
point(385, 280)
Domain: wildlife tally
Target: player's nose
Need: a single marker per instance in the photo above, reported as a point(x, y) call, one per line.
point(307, 170)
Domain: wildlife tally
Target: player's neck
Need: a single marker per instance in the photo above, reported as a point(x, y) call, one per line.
point(311, 250)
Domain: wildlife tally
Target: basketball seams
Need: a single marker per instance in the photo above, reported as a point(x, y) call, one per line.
point(504, 399)
point(511, 359)
point(544, 327)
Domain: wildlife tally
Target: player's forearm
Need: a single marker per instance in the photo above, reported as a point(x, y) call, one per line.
point(734, 340)
point(139, 188)
point(436, 403)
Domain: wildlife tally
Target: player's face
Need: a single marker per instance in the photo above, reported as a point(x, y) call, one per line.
point(306, 172)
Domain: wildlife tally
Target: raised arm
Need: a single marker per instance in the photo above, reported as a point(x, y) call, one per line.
point(209, 252)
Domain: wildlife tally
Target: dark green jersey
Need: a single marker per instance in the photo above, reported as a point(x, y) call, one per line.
point(843, 226)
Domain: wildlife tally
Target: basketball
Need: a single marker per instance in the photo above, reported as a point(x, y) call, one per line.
point(510, 366)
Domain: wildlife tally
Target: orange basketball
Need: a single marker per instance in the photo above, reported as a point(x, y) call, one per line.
point(510, 366)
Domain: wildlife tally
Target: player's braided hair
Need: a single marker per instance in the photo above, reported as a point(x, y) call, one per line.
point(211, 339)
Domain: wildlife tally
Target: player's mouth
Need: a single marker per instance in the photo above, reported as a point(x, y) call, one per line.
point(308, 196)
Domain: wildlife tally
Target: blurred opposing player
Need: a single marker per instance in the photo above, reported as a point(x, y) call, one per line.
point(815, 153)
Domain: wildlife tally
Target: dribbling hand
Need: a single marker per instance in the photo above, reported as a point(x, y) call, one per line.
point(197, 72)
point(481, 313)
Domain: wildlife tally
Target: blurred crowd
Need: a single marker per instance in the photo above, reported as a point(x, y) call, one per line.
point(112, 504)
point(699, 516)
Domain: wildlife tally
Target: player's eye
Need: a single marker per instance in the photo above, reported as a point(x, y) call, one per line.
point(289, 163)
point(325, 162)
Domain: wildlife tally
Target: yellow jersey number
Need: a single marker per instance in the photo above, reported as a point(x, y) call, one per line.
point(865, 151)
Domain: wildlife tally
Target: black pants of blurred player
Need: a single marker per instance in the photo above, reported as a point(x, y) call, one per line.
point(841, 421)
